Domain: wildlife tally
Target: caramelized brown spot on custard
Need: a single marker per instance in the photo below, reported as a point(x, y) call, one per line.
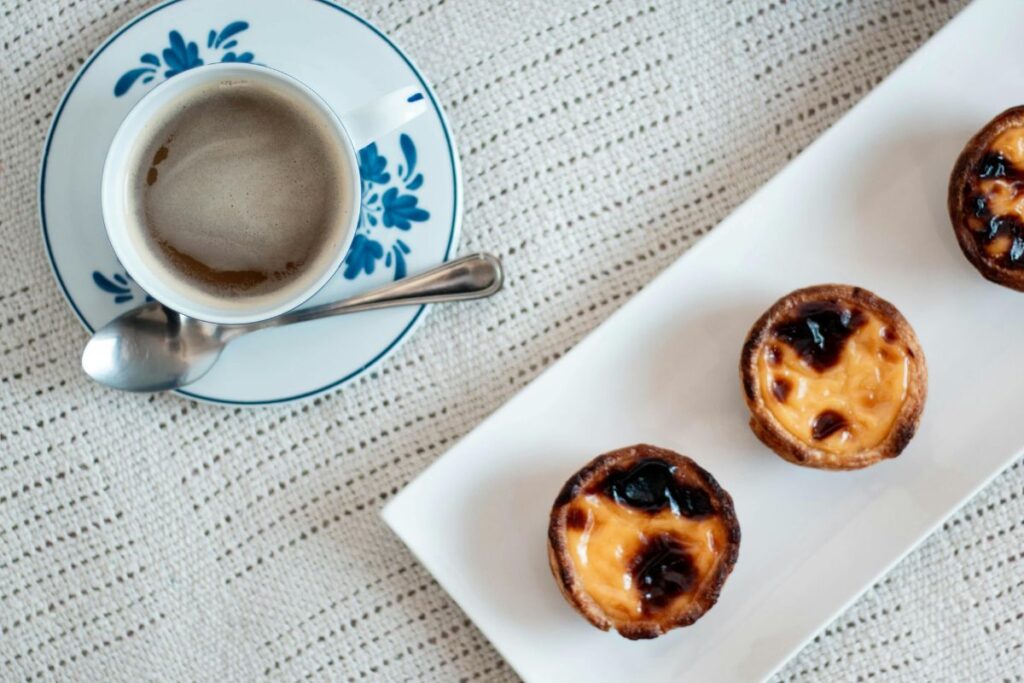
point(651, 485)
point(151, 176)
point(576, 519)
point(827, 423)
point(819, 331)
point(773, 355)
point(662, 571)
point(781, 388)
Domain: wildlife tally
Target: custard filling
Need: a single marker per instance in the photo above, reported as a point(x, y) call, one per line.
point(845, 402)
point(634, 563)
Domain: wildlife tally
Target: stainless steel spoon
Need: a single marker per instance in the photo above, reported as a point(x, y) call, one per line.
point(153, 348)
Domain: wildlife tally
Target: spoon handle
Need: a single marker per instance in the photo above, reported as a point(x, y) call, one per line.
point(470, 277)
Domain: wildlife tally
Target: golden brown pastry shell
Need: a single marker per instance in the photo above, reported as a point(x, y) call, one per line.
point(767, 428)
point(959, 211)
point(564, 571)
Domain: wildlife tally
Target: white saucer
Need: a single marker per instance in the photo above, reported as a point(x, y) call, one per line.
point(412, 203)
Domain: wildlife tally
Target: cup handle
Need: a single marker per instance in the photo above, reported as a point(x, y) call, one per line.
point(371, 121)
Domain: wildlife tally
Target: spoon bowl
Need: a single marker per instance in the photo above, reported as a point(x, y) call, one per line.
point(152, 348)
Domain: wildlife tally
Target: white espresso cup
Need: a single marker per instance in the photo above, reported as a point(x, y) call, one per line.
point(347, 132)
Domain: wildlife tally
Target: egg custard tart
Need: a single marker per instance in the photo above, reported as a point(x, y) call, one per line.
point(641, 540)
point(986, 199)
point(834, 378)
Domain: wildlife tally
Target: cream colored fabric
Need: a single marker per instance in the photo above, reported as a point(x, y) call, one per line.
point(151, 538)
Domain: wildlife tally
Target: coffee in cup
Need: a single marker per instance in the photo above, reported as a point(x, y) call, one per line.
point(238, 188)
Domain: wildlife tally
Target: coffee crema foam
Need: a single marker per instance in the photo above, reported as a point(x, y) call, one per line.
point(239, 189)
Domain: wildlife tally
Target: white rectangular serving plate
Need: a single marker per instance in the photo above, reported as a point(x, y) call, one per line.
point(864, 205)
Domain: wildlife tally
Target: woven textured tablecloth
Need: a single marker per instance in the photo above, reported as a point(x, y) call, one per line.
point(152, 538)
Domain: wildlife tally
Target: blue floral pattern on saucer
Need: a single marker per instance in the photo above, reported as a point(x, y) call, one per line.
point(181, 56)
point(388, 203)
point(121, 285)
